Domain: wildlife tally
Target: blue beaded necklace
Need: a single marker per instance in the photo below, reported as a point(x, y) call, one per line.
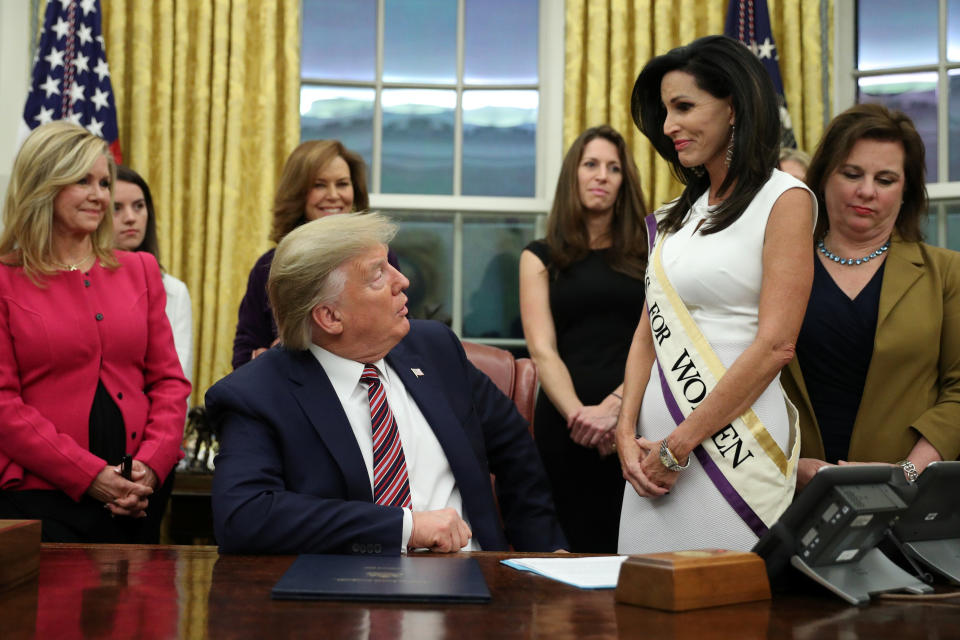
point(852, 261)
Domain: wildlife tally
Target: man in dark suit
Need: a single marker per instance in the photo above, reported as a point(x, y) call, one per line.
point(365, 432)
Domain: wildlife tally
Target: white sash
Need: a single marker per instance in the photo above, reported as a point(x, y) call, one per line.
point(742, 459)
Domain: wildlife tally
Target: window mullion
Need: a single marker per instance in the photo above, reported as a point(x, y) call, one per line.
point(458, 113)
point(456, 321)
point(943, 97)
point(844, 39)
point(377, 154)
point(940, 210)
point(550, 150)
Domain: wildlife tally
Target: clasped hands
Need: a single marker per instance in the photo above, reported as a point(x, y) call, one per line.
point(124, 497)
point(593, 426)
point(640, 461)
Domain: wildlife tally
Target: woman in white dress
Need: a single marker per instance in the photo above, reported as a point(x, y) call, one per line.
point(135, 229)
point(704, 436)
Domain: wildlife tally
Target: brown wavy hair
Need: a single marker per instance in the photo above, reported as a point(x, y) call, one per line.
point(567, 235)
point(298, 175)
point(873, 122)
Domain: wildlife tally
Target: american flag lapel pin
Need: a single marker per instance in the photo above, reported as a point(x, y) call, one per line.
point(417, 372)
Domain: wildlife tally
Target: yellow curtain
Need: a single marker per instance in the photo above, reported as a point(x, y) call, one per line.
point(609, 41)
point(207, 96)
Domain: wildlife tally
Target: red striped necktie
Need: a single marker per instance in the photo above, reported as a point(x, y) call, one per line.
point(390, 484)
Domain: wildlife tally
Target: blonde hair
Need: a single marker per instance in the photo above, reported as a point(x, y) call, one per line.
point(298, 176)
point(307, 268)
point(799, 156)
point(53, 156)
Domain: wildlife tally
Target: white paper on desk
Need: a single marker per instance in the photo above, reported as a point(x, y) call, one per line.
point(586, 573)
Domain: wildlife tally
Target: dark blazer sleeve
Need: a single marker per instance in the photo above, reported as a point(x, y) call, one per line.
point(277, 488)
point(255, 325)
point(523, 491)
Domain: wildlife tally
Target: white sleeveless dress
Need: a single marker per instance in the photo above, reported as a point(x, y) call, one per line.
point(718, 276)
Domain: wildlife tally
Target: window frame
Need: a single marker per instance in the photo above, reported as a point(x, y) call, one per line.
point(548, 150)
point(845, 94)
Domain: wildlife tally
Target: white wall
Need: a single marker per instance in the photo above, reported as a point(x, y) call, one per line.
point(15, 71)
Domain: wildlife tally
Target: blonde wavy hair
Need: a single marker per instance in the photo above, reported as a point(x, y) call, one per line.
point(307, 268)
point(53, 156)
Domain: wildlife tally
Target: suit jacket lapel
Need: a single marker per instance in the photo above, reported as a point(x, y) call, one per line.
point(428, 393)
point(903, 268)
point(319, 402)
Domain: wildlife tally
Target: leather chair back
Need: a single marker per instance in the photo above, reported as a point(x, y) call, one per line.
point(516, 377)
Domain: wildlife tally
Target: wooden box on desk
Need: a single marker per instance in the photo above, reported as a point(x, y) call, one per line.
point(19, 551)
point(682, 580)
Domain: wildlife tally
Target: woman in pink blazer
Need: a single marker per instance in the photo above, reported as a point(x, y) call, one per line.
point(89, 374)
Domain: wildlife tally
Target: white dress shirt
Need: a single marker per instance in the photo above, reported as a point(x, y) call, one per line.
point(180, 314)
point(432, 485)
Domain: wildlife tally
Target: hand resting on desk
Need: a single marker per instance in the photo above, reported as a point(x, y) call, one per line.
point(442, 530)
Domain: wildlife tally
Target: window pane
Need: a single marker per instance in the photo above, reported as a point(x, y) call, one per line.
point(424, 247)
point(499, 143)
point(916, 95)
point(953, 224)
point(339, 39)
point(894, 33)
point(417, 141)
point(491, 259)
point(953, 30)
point(953, 118)
point(420, 41)
point(339, 113)
point(500, 41)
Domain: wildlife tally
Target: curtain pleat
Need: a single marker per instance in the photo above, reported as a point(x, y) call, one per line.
point(609, 41)
point(207, 96)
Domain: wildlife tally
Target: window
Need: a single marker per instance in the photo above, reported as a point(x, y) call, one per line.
point(907, 56)
point(456, 107)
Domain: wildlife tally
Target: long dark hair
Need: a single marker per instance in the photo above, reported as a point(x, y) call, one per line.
point(149, 242)
point(567, 234)
point(724, 68)
point(873, 122)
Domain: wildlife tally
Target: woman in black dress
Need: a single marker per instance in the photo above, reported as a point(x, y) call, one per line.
point(581, 295)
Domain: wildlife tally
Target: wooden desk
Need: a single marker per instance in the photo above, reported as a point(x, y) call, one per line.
point(190, 592)
point(189, 518)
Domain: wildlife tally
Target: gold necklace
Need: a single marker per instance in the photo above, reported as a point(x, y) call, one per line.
point(75, 266)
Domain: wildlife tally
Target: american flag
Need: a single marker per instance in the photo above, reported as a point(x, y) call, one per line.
point(71, 79)
point(749, 22)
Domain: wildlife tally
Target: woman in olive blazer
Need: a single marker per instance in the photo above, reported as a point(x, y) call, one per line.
point(868, 176)
point(913, 383)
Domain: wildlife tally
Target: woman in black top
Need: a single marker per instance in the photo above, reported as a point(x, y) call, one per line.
point(581, 295)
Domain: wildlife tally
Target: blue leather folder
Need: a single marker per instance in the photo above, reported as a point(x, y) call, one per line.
point(382, 579)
